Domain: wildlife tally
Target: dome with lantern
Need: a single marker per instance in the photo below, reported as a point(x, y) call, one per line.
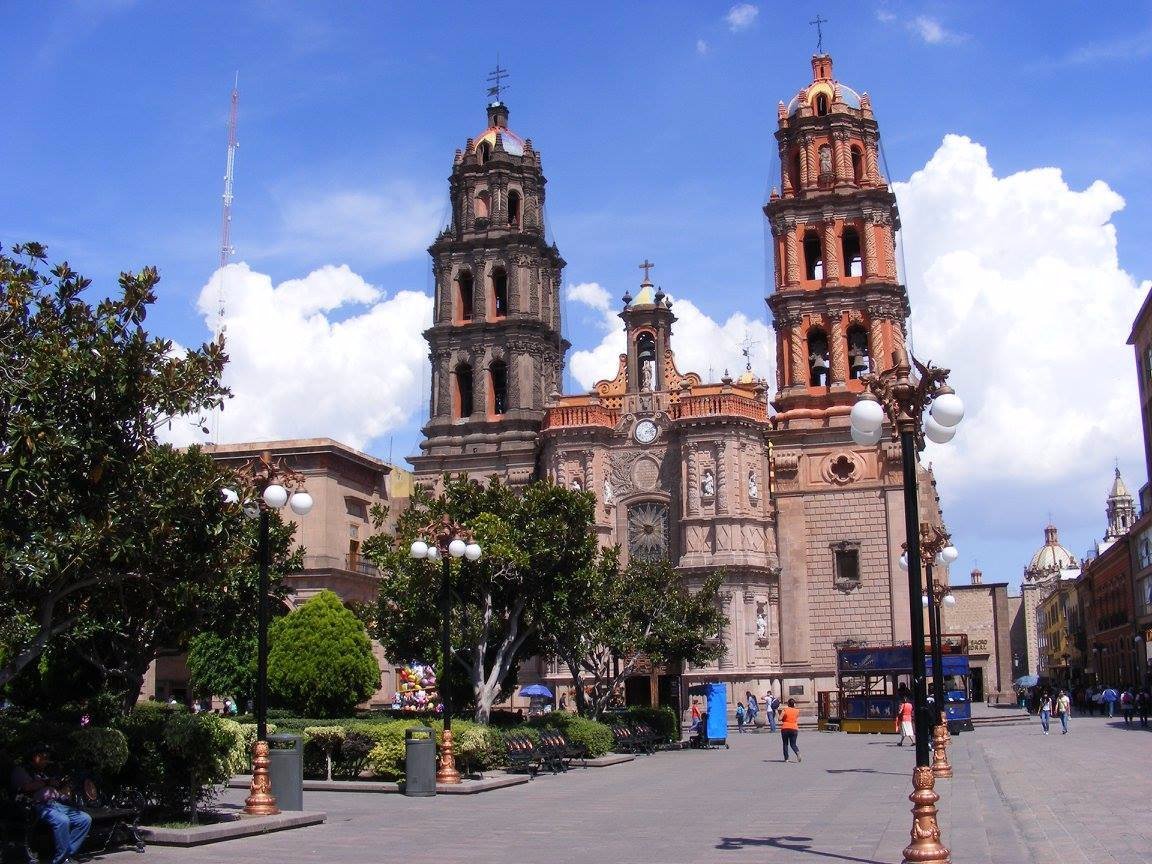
point(1052, 559)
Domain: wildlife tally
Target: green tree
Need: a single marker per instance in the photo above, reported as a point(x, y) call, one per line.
point(94, 510)
point(644, 611)
point(223, 665)
point(539, 549)
point(320, 661)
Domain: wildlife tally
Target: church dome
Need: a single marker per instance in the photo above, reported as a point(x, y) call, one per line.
point(498, 125)
point(849, 96)
point(1051, 557)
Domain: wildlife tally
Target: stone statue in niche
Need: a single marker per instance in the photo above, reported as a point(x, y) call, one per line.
point(708, 483)
point(761, 622)
point(646, 369)
point(753, 486)
point(607, 490)
point(825, 159)
point(576, 485)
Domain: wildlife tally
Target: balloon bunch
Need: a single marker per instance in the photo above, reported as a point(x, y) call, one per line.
point(417, 686)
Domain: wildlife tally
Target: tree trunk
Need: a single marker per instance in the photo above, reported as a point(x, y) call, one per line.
point(577, 685)
point(328, 763)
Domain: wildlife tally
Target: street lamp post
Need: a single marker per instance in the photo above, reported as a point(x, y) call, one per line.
point(448, 540)
point(272, 485)
point(902, 394)
point(937, 548)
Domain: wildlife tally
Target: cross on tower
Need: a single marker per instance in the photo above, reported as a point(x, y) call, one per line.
point(497, 75)
point(819, 32)
point(646, 266)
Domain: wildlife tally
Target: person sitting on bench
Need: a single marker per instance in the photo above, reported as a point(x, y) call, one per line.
point(69, 826)
point(700, 739)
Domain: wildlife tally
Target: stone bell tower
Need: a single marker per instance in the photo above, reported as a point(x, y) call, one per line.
point(495, 344)
point(837, 307)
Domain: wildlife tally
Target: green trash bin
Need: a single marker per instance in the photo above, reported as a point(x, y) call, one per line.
point(420, 761)
point(286, 770)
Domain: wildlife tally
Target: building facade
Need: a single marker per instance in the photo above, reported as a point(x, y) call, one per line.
point(716, 476)
point(983, 612)
point(1051, 565)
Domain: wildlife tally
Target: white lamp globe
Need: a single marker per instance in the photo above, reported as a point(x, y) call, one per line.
point(947, 410)
point(275, 496)
point(251, 509)
point(904, 561)
point(456, 548)
point(472, 551)
point(301, 503)
point(939, 560)
point(867, 415)
point(924, 600)
point(950, 553)
point(433, 553)
point(949, 600)
point(229, 496)
point(419, 549)
point(936, 433)
point(866, 439)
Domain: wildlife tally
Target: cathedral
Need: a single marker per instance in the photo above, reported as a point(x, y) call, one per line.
point(762, 484)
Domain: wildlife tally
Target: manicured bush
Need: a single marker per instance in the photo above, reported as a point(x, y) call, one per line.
point(386, 759)
point(202, 748)
point(102, 750)
point(477, 747)
point(327, 739)
point(320, 662)
point(579, 730)
point(662, 721)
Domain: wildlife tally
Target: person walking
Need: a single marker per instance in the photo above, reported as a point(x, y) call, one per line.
point(1143, 703)
point(790, 729)
point(771, 706)
point(1045, 710)
point(1110, 697)
point(753, 707)
point(1127, 705)
point(1064, 711)
point(739, 716)
point(904, 722)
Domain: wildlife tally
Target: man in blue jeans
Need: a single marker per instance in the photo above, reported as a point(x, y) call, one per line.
point(69, 825)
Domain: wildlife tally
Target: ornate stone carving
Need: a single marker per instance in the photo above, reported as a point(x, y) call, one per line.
point(786, 461)
point(646, 474)
point(840, 469)
point(620, 469)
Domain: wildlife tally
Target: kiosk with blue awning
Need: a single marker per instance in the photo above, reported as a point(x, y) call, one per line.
point(716, 704)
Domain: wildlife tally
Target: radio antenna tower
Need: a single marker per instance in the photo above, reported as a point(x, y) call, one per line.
point(226, 248)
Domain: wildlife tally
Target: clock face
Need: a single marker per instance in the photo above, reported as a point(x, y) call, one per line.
point(646, 431)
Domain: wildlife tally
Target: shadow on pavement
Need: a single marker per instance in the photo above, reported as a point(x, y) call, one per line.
point(791, 844)
point(865, 771)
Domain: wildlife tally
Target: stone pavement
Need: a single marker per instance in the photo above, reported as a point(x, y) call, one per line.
point(1018, 796)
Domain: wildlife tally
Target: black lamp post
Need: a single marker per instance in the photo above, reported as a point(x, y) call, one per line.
point(448, 540)
point(270, 482)
point(901, 395)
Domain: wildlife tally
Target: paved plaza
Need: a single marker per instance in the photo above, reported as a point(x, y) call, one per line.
point(1018, 796)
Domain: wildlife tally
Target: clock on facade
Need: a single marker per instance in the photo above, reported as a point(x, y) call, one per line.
point(645, 431)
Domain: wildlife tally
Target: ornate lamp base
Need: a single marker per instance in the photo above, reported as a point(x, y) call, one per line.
point(925, 845)
point(446, 771)
point(260, 800)
point(941, 767)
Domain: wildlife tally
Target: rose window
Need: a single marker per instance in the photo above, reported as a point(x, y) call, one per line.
point(648, 531)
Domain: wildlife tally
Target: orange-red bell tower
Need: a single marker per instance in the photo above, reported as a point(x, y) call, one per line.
point(837, 305)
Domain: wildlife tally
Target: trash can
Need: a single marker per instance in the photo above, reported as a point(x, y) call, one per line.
point(420, 761)
point(286, 770)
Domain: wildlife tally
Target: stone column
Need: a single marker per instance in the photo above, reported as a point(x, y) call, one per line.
point(838, 348)
point(799, 357)
point(870, 268)
point(881, 359)
point(870, 161)
point(843, 155)
point(888, 240)
point(785, 171)
point(722, 496)
point(693, 502)
point(791, 254)
point(727, 661)
point(831, 253)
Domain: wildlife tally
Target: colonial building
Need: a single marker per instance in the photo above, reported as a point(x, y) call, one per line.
point(1141, 543)
point(1050, 566)
point(765, 487)
point(983, 611)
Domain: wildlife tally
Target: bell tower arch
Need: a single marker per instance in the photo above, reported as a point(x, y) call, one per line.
point(837, 305)
point(495, 344)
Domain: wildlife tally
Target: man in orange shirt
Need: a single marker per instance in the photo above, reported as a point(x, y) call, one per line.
point(790, 728)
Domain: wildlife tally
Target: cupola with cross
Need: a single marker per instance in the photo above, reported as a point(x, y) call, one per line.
point(495, 344)
point(838, 308)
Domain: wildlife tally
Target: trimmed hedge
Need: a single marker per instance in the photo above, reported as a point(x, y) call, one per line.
point(579, 730)
point(662, 720)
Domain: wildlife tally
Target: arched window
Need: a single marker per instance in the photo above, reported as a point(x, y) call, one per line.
point(514, 208)
point(498, 375)
point(818, 357)
point(646, 361)
point(850, 249)
point(858, 360)
point(463, 399)
point(485, 152)
point(857, 166)
point(499, 292)
point(482, 206)
point(813, 256)
point(821, 104)
point(464, 300)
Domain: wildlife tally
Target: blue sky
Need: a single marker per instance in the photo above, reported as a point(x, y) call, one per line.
point(655, 122)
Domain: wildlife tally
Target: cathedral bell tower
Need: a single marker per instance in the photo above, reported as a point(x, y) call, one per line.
point(495, 344)
point(837, 306)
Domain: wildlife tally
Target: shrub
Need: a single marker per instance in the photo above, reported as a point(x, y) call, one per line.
point(102, 750)
point(477, 747)
point(579, 730)
point(386, 758)
point(321, 662)
point(662, 720)
point(202, 748)
point(328, 739)
point(243, 737)
point(353, 755)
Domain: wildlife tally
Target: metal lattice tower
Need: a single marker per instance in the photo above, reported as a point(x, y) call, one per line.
point(226, 248)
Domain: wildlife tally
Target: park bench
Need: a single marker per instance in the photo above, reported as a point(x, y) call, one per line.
point(521, 754)
point(626, 740)
point(553, 751)
point(647, 738)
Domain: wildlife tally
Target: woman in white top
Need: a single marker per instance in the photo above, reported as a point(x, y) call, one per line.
point(1045, 710)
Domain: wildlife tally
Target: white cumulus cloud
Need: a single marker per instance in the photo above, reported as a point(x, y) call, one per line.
point(1015, 284)
point(327, 355)
point(702, 47)
point(741, 16)
point(701, 343)
point(933, 32)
